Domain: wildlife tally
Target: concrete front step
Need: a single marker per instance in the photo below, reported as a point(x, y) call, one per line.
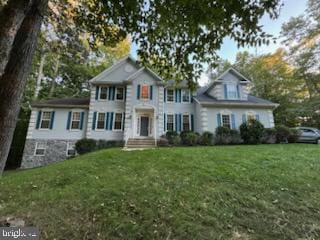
point(141, 143)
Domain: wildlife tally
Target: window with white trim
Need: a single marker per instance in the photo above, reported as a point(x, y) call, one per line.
point(40, 149)
point(225, 120)
point(170, 122)
point(119, 93)
point(101, 121)
point(103, 93)
point(45, 120)
point(144, 91)
point(71, 150)
point(186, 122)
point(232, 92)
point(75, 121)
point(185, 95)
point(170, 95)
point(118, 121)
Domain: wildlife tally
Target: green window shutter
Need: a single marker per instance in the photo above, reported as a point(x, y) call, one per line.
point(219, 120)
point(69, 120)
point(113, 92)
point(97, 92)
point(238, 91)
point(123, 120)
point(94, 120)
point(151, 92)
point(179, 95)
point(138, 91)
point(52, 119)
point(233, 121)
point(125, 93)
point(107, 118)
point(192, 122)
point(176, 95)
point(180, 121)
point(109, 93)
point(164, 122)
point(111, 121)
point(81, 120)
point(176, 122)
point(225, 91)
point(244, 118)
point(38, 120)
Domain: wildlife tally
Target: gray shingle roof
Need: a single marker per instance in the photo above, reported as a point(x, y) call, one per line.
point(204, 98)
point(64, 102)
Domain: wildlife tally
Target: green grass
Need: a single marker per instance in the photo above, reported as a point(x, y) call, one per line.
point(228, 192)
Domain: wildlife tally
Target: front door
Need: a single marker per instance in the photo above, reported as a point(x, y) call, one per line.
point(144, 126)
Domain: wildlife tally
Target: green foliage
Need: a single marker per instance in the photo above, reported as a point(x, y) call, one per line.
point(189, 138)
point(269, 136)
point(294, 135)
point(86, 145)
point(114, 194)
point(251, 131)
point(224, 135)
point(206, 138)
point(283, 133)
point(161, 30)
point(175, 140)
point(171, 135)
point(19, 138)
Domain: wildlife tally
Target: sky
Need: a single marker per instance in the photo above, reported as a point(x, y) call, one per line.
point(291, 8)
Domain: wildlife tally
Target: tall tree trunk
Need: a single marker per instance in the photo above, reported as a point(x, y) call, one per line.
point(40, 74)
point(11, 18)
point(55, 76)
point(17, 68)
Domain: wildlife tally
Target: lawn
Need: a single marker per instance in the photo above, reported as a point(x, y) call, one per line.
point(228, 192)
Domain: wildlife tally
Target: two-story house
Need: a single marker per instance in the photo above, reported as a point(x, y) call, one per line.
point(132, 103)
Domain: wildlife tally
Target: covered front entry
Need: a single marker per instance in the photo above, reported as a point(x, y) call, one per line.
point(144, 123)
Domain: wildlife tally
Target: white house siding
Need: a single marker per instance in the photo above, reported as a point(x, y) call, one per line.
point(212, 123)
point(56, 139)
point(104, 106)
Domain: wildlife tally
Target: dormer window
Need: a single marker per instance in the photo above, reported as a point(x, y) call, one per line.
point(231, 91)
point(145, 91)
point(185, 95)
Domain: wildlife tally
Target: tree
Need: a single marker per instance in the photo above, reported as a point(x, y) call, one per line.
point(166, 29)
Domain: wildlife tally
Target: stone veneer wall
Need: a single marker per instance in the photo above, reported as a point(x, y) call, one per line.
point(56, 151)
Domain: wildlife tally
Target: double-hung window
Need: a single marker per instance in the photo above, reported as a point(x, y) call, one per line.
point(185, 95)
point(170, 122)
point(144, 91)
point(226, 121)
point(186, 122)
point(170, 95)
point(45, 120)
point(75, 122)
point(119, 93)
point(40, 148)
point(232, 92)
point(101, 121)
point(118, 121)
point(103, 93)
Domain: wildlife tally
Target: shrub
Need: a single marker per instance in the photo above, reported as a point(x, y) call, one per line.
point(225, 135)
point(282, 134)
point(86, 145)
point(175, 140)
point(222, 135)
point(269, 136)
point(294, 135)
point(163, 141)
point(251, 131)
point(171, 135)
point(235, 137)
point(189, 138)
point(206, 139)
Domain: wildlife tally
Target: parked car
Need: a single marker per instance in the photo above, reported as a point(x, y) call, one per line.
point(309, 135)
